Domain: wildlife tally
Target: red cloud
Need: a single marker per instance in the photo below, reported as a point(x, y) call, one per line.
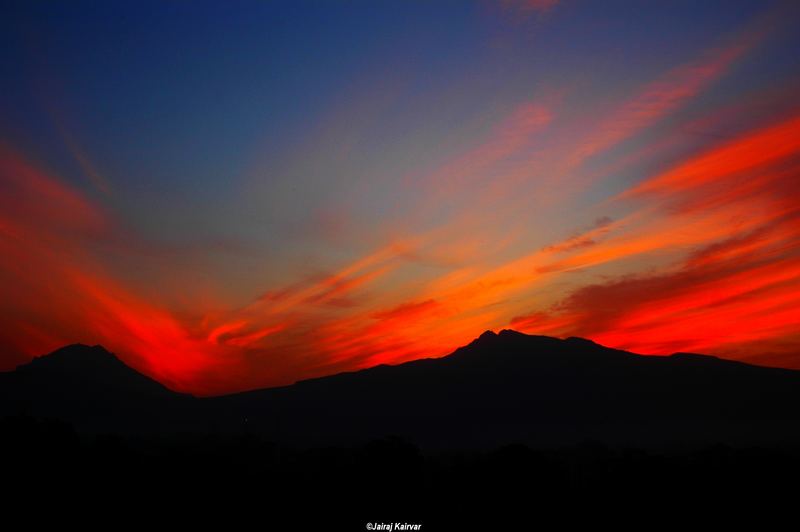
point(730, 293)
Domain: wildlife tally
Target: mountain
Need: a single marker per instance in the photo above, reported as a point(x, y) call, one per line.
point(512, 387)
point(94, 390)
point(501, 388)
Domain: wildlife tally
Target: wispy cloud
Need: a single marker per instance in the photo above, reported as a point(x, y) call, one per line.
point(554, 213)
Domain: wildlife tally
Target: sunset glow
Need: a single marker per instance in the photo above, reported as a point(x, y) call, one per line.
point(248, 200)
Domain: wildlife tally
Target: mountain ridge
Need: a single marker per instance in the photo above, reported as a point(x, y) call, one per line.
point(501, 387)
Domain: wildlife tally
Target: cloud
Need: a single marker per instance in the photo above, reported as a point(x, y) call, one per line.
point(744, 154)
point(52, 283)
point(663, 96)
point(702, 306)
point(699, 254)
point(588, 238)
point(735, 206)
point(406, 311)
point(512, 134)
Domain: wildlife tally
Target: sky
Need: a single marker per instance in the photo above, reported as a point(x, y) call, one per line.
point(234, 195)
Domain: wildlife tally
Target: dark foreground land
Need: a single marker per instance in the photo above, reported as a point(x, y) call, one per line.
point(511, 432)
point(244, 481)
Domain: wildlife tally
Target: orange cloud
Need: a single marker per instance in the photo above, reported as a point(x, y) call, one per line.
point(744, 154)
point(512, 134)
point(601, 227)
point(407, 311)
point(54, 284)
point(734, 205)
point(30, 199)
point(700, 256)
point(663, 96)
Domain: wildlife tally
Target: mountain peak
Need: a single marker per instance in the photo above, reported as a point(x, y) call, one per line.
point(581, 341)
point(488, 334)
point(503, 334)
point(503, 386)
point(510, 333)
point(74, 357)
point(82, 367)
point(79, 349)
point(93, 389)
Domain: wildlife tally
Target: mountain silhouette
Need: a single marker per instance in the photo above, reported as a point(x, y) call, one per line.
point(93, 389)
point(511, 387)
point(500, 388)
point(486, 433)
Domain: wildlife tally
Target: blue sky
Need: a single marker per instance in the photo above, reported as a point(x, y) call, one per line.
point(371, 157)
